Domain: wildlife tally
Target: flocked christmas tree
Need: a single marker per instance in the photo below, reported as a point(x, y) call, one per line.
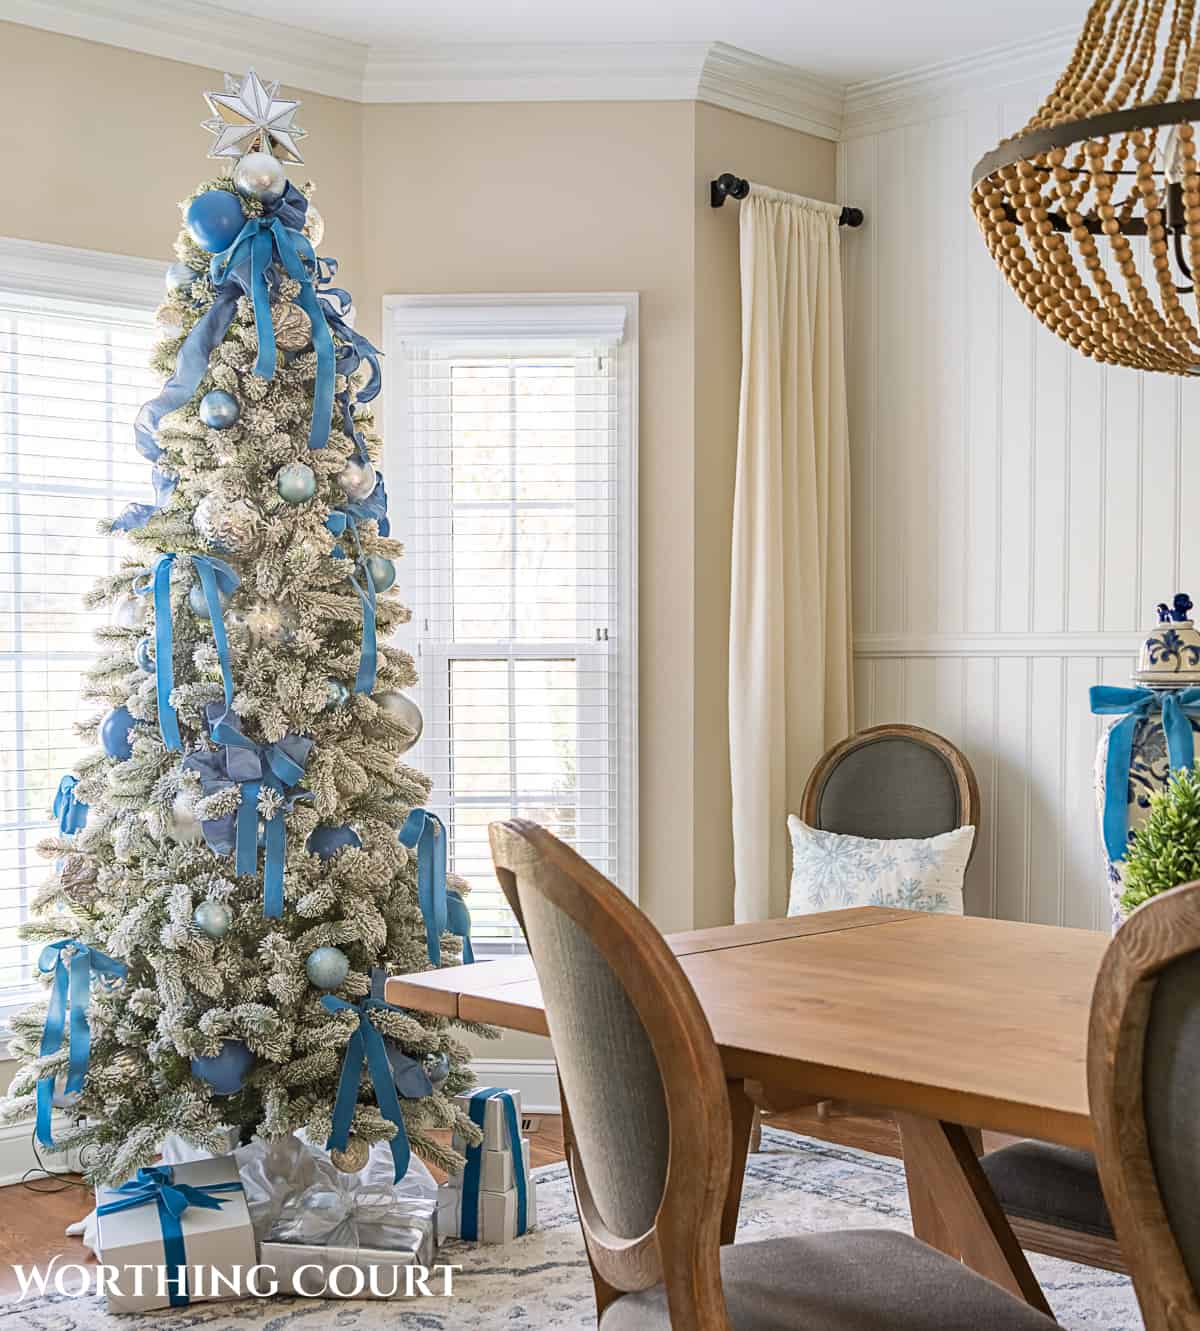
point(254, 853)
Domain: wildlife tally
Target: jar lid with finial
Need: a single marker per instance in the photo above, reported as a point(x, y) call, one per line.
point(1170, 654)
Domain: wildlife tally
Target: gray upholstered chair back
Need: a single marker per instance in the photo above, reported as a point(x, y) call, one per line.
point(607, 1067)
point(891, 782)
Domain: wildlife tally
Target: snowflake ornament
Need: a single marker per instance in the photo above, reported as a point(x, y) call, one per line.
point(249, 117)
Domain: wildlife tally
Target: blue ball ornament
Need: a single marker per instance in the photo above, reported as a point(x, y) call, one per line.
point(383, 572)
point(296, 483)
point(179, 276)
point(214, 218)
point(327, 841)
point(327, 967)
point(219, 410)
point(213, 918)
point(339, 694)
point(143, 655)
point(115, 732)
point(198, 602)
point(226, 1071)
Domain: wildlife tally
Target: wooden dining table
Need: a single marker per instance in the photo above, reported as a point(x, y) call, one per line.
point(953, 1023)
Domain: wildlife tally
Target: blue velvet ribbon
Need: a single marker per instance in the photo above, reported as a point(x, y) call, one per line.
point(477, 1111)
point(339, 522)
point(70, 993)
point(408, 1074)
point(1134, 705)
point(157, 1184)
point(240, 761)
point(352, 351)
point(444, 911)
point(246, 264)
point(69, 809)
point(367, 1043)
point(135, 516)
point(216, 579)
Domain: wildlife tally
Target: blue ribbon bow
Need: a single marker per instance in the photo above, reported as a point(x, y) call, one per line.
point(242, 762)
point(444, 911)
point(69, 809)
point(1134, 705)
point(245, 264)
point(367, 1043)
point(217, 579)
point(70, 992)
point(157, 1184)
point(477, 1111)
point(352, 350)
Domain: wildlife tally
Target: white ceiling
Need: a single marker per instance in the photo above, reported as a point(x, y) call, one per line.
point(846, 40)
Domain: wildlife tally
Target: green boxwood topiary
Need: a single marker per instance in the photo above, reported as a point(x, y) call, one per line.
point(1165, 851)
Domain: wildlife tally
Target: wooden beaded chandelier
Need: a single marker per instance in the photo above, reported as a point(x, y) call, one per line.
point(1102, 187)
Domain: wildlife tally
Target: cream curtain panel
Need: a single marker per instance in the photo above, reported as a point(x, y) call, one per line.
point(789, 626)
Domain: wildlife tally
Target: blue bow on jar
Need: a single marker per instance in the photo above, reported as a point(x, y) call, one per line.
point(242, 762)
point(1134, 705)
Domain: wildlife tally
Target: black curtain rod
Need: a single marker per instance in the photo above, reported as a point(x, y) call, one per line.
point(729, 186)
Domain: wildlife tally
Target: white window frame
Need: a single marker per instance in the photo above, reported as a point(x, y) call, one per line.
point(516, 316)
point(33, 268)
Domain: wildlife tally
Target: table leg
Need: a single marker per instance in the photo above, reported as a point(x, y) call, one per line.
point(742, 1113)
point(955, 1209)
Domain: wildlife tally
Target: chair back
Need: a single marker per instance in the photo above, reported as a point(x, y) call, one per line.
point(646, 1117)
point(891, 782)
point(1144, 1092)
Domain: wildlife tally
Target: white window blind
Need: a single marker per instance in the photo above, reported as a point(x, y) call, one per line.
point(73, 373)
point(514, 478)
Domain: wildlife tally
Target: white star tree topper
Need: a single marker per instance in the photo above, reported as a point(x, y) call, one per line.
point(249, 117)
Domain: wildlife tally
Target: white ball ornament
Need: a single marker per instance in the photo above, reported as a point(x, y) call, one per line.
point(213, 918)
point(131, 611)
point(357, 479)
point(296, 483)
point(402, 711)
point(260, 176)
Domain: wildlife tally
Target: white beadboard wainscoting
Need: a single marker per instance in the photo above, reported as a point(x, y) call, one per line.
point(1018, 510)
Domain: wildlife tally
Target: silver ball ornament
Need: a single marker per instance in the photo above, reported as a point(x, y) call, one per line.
point(198, 602)
point(296, 483)
point(402, 711)
point(260, 176)
point(219, 410)
point(354, 1158)
point(357, 479)
point(213, 918)
point(437, 1069)
point(383, 572)
point(131, 611)
point(338, 693)
point(226, 526)
point(314, 226)
point(327, 967)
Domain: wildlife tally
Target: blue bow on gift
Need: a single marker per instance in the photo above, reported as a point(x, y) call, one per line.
point(242, 762)
point(70, 992)
point(246, 264)
point(1134, 705)
point(217, 580)
point(157, 1184)
point(367, 1043)
point(477, 1111)
point(69, 809)
point(443, 911)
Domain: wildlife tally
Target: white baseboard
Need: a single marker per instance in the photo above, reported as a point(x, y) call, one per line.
point(535, 1078)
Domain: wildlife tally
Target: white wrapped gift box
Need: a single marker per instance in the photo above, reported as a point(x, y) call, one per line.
point(495, 1127)
point(497, 1212)
point(497, 1170)
point(217, 1241)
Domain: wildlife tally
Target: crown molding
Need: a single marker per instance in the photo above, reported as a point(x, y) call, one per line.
point(742, 81)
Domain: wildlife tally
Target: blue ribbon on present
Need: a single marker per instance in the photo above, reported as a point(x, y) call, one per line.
point(70, 992)
point(477, 1111)
point(367, 1043)
point(1134, 705)
point(444, 911)
point(69, 809)
point(156, 1184)
point(245, 264)
point(242, 762)
point(217, 578)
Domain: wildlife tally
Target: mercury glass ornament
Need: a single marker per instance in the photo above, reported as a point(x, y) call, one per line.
point(314, 226)
point(357, 479)
point(353, 1159)
point(131, 611)
point(437, 1068)
point(219, 410)
point(383, 572)
point(402, 711)
point(227, 527)
point(198, 602)
point(213, 918)
point(327, 967)
point(260, 176)
point(293, 328)
point(338, 693)
point(296, 483)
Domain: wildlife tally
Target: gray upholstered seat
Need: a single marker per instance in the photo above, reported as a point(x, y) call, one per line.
point(1051, 1184)
point(848, 1280)
point(889, 787)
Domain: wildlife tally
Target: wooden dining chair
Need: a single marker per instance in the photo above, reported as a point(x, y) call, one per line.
point(649, 1145)
point(1143, 1087)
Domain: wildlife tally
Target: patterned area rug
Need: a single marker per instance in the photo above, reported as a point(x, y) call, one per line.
point(541, 1282)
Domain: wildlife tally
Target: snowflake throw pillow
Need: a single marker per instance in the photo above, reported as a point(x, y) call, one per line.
point(831, 872)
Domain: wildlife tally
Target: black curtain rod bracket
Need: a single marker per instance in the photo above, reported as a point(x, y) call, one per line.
point(729, 186)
